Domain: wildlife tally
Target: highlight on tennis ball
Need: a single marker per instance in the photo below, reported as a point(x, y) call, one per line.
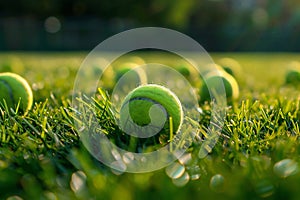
point(149, 110)
point(211, 84)
point(15, 92)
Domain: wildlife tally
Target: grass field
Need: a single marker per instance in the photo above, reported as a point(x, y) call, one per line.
point(256, 156)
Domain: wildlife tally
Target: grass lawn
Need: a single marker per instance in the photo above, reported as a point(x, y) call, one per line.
point(256, 156)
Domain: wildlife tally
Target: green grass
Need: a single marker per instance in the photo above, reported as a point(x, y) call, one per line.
point(42, 157)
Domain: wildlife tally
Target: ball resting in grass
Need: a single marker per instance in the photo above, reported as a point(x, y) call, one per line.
point(231, 66)
point(213, 83)
point(15, 91)
point(292, 75)
point(149, 110)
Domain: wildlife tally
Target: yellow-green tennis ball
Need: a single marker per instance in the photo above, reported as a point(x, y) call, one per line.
point(183, 70)
point(12, 64)
point(292, 75)
point(136, 73)
point(136, 59)
point(213, 81)
point(149, 108)
point(15, 89)
point(231, 66)
point(210, 69)
point(187, 68)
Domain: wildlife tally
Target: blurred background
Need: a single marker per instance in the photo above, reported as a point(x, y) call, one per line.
point(218, 25)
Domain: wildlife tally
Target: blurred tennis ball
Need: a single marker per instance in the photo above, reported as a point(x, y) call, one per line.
point(187, 68)
point(211, 68)
point(292, 75)
point(231, 66)
point(213, 83)
point(136, 59)
point(15, 91)
point(135, 73)
point(12, 64)
point(183, 70)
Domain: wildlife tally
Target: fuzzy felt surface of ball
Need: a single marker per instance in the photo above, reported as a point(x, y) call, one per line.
point(147, 111)
point(15, 90)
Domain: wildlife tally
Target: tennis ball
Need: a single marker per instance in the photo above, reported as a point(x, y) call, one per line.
point(231, 66)
point(13, 89)
point(136, 73)
point(12, 63)
point(292, 77)
point(187, 69)
point(211, 68)
point(213, 81)
point(136, 59)
point(293, 73)
point(184, 68)
point(147, 110)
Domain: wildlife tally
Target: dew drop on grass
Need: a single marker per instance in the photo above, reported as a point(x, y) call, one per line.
point(128, 157)
point(200, 110)
point(143, 159)
point(217, 183)
point(81, 129)
point(182, 180)
point(116, 154)
point(205, 149)
point(118, 167)
point(37, 86)
point(195, 177)
point(285, 168)
point(185, 158)
point(78, 180)
point(175, 170)
point(194, 172)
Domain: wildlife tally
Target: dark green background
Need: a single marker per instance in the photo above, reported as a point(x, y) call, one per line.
point(218, 25)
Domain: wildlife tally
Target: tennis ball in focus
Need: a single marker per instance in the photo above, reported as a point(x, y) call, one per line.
point(147, 110)
point(214, 81)
point(13, 89)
